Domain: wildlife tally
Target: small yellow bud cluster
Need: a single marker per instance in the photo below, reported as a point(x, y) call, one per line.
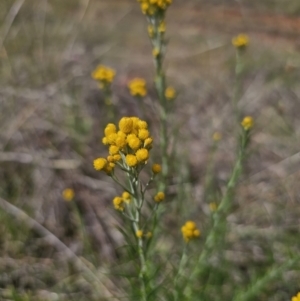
point(120, 201)
point(140, 234)
point(247, 123)
point(137, 87)
point(153, 7)
point(189, 231)
point(296, 298)
point(68, 194)
point(240, 41)
point(130, 144)
point(103, 75)
point(154, 31)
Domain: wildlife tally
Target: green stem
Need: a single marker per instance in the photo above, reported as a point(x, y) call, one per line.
point(238, 84)
point(108, 102)
point(160, 86)
point(219, 218)
point(182, 264)
point(138, 201)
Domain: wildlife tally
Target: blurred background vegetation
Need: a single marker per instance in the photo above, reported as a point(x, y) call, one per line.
point(52, 119)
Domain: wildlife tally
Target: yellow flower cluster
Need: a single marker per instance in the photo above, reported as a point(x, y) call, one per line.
point(247, 123)
point(296, 298)
point(129, 145)
point(103, 75)
point(189, 231)
point(68, 194)
point(137, 87)
point(240, 41)
point(152, 7)
point(120, 201)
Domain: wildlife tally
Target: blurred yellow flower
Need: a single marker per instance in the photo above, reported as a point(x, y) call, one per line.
point(296, 298)
point(156, 168)
point(100, 163)
point(159, 197)
point(162, 27)
point(118, 203)
point(126, 197)
point(155, 52)
point(189, 231)
point(240, 41)
point(104, 75)
point(137, 87)
point(247, 123)
point(139, 233)
point(68, 194)
point(170, 93)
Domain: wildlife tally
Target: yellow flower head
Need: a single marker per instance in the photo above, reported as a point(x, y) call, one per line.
point(110, 129)
point(68, 194)
point(247, 123)
point(189, 231)
point(156, 168)
point(118, 203)
point(104, 75)
point(148, 143)
point(149, 234)
point(240, 41)
point(126, 197)
point(162, 27)
point(111, 138)
point(139, 233)
point(100, 163)
point(137, 87)
point(155, 52)
point(117, 158)
point(159, 197)
point(121, 139)
point(296, 298)
point(126, 125)
point(113, 150)
point(131, 160)
point(133, 141)
point(143, 134)
point(142, 125)
point(170, 93)
point(142, 155)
